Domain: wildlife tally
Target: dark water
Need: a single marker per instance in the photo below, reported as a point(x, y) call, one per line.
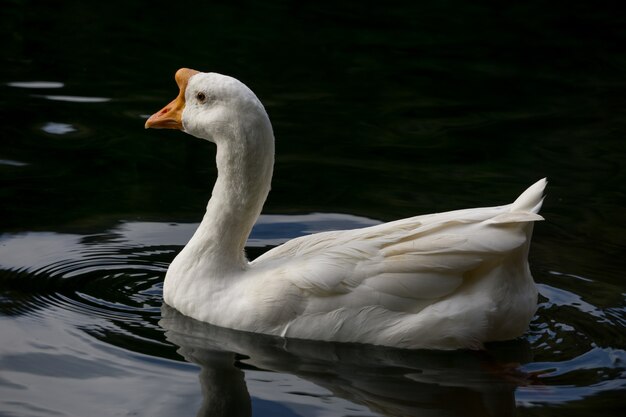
point(380, 112)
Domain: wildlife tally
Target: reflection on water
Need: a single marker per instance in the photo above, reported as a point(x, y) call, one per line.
point(58, 128)
point(386, 381)
point(12, 163)
point(36, 84)
point(75, 99)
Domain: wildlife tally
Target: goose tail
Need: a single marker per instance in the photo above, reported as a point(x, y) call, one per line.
point(531, 199)
point(525, 208)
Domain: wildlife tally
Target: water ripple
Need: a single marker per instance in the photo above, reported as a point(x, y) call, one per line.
point(108, 285)
point(114, 278)
point(58, 128)
point(65, 273)
point(75, 99)
point(36, 84)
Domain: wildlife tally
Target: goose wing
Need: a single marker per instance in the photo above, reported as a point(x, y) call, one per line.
point(404, 264)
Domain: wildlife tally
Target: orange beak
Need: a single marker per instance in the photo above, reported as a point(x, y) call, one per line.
point(171, 116)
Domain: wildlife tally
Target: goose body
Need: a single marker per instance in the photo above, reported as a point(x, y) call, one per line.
point(442, 281)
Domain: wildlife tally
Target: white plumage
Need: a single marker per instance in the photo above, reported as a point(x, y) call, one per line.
point(446, 281)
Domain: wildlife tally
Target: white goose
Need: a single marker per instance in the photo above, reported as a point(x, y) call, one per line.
point(441, 281)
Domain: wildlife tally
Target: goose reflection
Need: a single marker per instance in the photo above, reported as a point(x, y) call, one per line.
point(390, 382)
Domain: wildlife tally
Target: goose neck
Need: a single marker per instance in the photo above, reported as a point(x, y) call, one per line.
point(243, 183)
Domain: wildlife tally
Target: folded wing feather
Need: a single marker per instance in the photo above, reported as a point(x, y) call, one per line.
point(421, 258)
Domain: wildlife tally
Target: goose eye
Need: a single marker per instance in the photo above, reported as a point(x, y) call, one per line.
point(201, 97)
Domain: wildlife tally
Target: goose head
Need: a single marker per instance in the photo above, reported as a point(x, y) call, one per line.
point(211, 106)
point(221, 109)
